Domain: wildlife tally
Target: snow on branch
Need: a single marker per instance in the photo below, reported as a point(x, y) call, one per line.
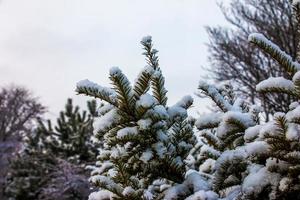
point(275, 52)
point(90, 88)
point(123, 89)
point(276, 84)
point(211, 120)
point(158, 89)
point(215, 95)
point(295, 2)
point(142, 82)
point(150, 53)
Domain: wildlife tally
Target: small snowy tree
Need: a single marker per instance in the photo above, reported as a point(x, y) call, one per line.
point(233, 59)
point(27, 175)
point(278, 178)
point(71, 137)
point(50, 166)
point(145, 141)
point(221, 168)
point(221, 133)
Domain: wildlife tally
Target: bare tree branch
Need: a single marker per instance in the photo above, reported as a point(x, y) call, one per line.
point(233, 58)
point(18, 110)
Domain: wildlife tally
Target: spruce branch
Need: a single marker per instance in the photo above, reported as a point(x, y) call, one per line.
point(275, 52)
point(276, 85)
point(150, 53)
point(123, 90)
point(142, 83)
point(157, 79)
point(296, 81)
point(215, 95)
point(89, 88)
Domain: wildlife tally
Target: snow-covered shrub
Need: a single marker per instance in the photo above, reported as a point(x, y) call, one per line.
point(145, 141)
point(278, 176)
point(27, 175)
point(237, 157)
point(218, 157)
point(51, 162)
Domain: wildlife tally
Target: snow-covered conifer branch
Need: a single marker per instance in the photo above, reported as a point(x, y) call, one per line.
point(158, 88)
point(209, 121)
point(123, 89)
point(275, 52)
point(144, 140)
point(142, 82)
point(296, 81)
point(215, 95)
point(150, 53)
point(92, 89)
point(276, 85)
point(157, 79)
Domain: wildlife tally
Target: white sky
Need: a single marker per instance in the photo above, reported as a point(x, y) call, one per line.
point(49, 45)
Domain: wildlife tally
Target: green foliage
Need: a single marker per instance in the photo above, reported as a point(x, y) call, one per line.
point(144, 140)
point(157, 80)
point(275, 52)
point(28, 174)
point(43, 170)
point(282, 135)
point(221, 133)
point(71, 137)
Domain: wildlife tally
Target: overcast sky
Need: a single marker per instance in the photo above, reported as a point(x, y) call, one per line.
point(49, 45)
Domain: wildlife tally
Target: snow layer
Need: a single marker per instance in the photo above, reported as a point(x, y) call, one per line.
point(208, 120)
point(293, 115)
point(293, 132)
point(256, 181)
point(260, 37)
point(185, 101)
point(207, 166)
point(195, 182)
point(146, 101)
point(144, 124)
point(207, 195)
point(127, 132)
point(128, 191)
point(256, 148)
point(95, 87)
point(146, 156)
point(102, 194)
point(275, 82)
point(252, 132)
point(106, 121)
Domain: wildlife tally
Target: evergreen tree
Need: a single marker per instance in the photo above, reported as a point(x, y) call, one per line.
point(217, 157)
point(19, 110)
point(27, 175)
point(145, 141)
point(233, 59)
point(222, 132)
point(48, 168)
point(72, 137)
point(224, 128)
point(282, 135)
point(250, 160)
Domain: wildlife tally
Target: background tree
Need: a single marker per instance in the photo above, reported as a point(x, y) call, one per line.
point(52, 164)
point(71, 137)
point(233, 59)
point(145, 140)
point(19, 109)
point(28, 174)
